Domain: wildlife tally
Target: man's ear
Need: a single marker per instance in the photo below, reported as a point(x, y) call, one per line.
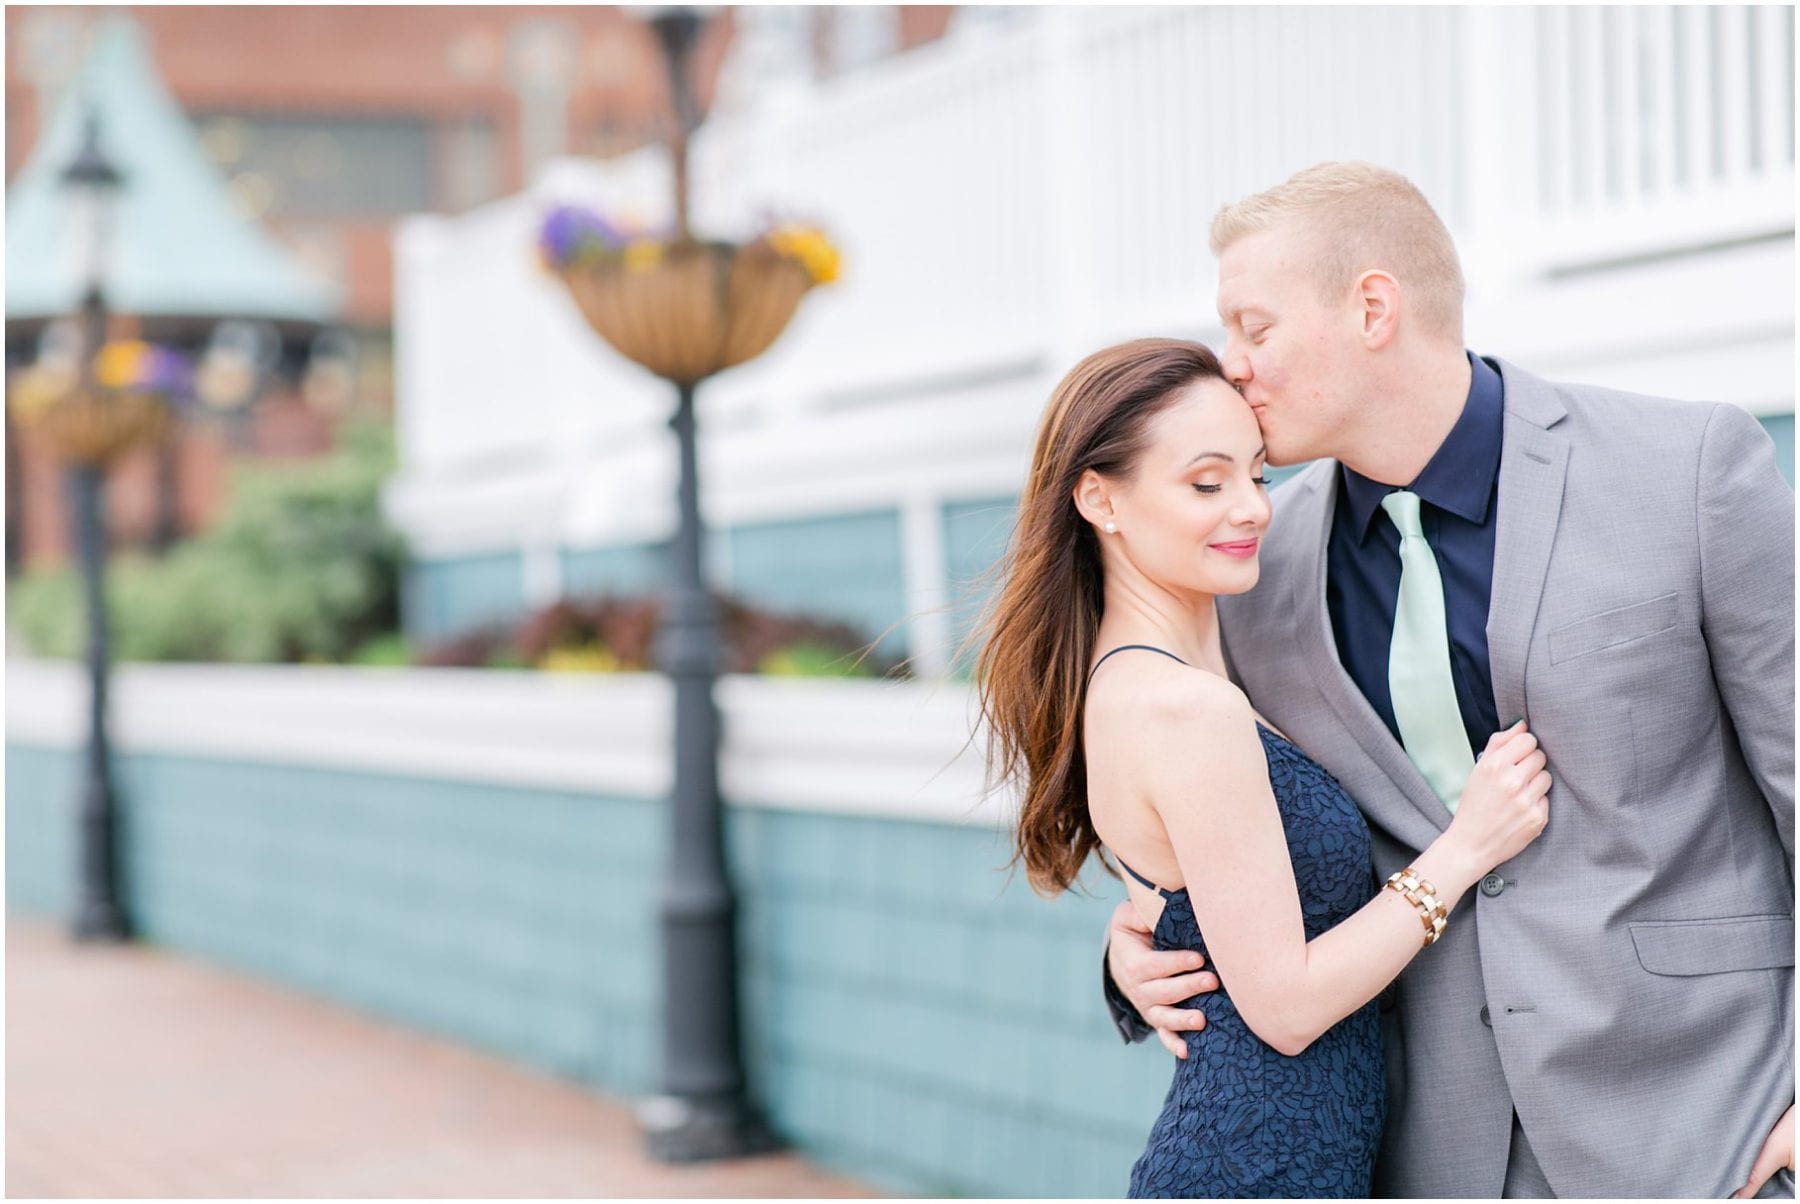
point(1378, 305)
point(1093, 498)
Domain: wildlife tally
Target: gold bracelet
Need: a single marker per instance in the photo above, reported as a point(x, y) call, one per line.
point(1422, 895)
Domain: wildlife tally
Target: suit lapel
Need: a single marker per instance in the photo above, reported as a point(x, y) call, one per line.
point(1534, 461)
point(1311, 620)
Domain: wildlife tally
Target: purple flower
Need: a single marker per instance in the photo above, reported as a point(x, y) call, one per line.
point(133, 365)
point(168, 372)
point(571, 233)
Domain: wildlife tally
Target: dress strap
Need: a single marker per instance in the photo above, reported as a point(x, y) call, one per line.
point(1145, 881)
point(1113, 652)
point(1127, 648)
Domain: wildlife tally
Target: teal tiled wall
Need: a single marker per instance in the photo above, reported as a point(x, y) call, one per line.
point(518, 921)
point(447, 597)
point(846, 568)
point(975, 538)
point(623, 570)
point(1781, 430)
point(925, 1021)
point(40, 829)
point(1275, 476)
point(914, 1016)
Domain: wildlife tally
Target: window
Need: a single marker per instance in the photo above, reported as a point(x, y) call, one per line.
point(323, 166)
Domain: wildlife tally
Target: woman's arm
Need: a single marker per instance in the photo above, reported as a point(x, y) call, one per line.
point(1227, 837)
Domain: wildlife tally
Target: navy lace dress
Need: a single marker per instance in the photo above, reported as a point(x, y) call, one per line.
point(1242, 1120)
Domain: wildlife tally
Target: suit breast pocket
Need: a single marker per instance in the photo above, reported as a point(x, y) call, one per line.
point(1611, 628)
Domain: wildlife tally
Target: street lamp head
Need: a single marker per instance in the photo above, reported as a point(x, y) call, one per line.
point(671, 16)
point(93, 185)
point(91, 171)
point(676, 27)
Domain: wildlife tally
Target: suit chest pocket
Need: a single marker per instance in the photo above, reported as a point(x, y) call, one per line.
point(1612, 628)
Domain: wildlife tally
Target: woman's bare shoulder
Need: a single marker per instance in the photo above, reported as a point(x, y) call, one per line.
point(1169, 704)
point(1167, 689)
point(1184, 740)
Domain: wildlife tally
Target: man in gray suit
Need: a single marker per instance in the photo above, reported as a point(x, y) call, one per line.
point(1612, 1014)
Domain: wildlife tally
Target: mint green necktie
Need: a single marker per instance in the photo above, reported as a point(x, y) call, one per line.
point(1424, 695)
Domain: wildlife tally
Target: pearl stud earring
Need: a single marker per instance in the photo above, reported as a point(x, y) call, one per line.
point(1112, 528)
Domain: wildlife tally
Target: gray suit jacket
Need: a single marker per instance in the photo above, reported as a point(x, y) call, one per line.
point(1626, 983)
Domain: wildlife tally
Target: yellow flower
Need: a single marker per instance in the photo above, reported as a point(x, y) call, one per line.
point(120, 364)
point(643, 255)
point(587, 658)
point(808, 247)
point(38, 389)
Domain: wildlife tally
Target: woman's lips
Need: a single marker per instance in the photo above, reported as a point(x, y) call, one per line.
point(1243, 549)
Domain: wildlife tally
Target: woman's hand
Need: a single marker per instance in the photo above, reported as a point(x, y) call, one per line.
point(1505, 804)
point(1777, 1152)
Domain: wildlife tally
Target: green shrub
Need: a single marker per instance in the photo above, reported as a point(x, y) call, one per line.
point(44, 606)
point(813, 660)
point(384, 650)
point(301, 567)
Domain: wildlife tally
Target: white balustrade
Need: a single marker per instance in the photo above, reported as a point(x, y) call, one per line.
point(1663, 130)
point(845, 747)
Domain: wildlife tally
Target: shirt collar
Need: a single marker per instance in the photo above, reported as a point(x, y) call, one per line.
point(1460, 476)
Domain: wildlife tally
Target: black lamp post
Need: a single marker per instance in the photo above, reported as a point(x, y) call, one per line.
point(92, 184)
point(704, 1110)
point(696, 309)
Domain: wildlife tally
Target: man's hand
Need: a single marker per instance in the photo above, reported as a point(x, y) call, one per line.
point(1777, 1152)
point(1155, 981)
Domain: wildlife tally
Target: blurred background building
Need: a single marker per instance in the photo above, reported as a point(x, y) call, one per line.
point(324, 126)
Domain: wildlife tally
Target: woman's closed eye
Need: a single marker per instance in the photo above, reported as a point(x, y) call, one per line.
point(1261, 482)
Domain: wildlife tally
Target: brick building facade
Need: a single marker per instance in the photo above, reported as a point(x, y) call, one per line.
point(328, 123)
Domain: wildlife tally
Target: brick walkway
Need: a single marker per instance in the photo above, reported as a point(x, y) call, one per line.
point(135, 1072)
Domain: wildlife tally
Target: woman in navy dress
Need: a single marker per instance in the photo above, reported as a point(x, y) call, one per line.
point(1103, 684)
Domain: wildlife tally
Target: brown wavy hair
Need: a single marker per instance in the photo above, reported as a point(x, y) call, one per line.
point(1037, 637)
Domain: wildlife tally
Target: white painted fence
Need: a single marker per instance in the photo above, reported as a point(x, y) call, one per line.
point(861, 748)
point(1654, 126)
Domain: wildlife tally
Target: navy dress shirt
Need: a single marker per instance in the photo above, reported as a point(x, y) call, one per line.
point(1457, 491)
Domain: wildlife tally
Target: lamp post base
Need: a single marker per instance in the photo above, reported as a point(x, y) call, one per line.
point(677, 1129)
point(100, 922)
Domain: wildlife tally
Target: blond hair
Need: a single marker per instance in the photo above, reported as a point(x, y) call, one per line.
point(1360, 216)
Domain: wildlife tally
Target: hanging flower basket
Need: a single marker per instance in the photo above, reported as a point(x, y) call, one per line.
point(685, 309)
point(131, 401)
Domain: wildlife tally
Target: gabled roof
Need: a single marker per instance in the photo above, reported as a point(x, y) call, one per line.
point(180, 247)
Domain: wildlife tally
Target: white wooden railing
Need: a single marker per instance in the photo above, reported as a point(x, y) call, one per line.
point(1054, 182)
point(1043, 181)
point(855, 747)
point(1643, 130)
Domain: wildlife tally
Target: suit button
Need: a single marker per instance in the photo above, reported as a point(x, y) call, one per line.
point(1492, 885)
point(1485, 1018)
